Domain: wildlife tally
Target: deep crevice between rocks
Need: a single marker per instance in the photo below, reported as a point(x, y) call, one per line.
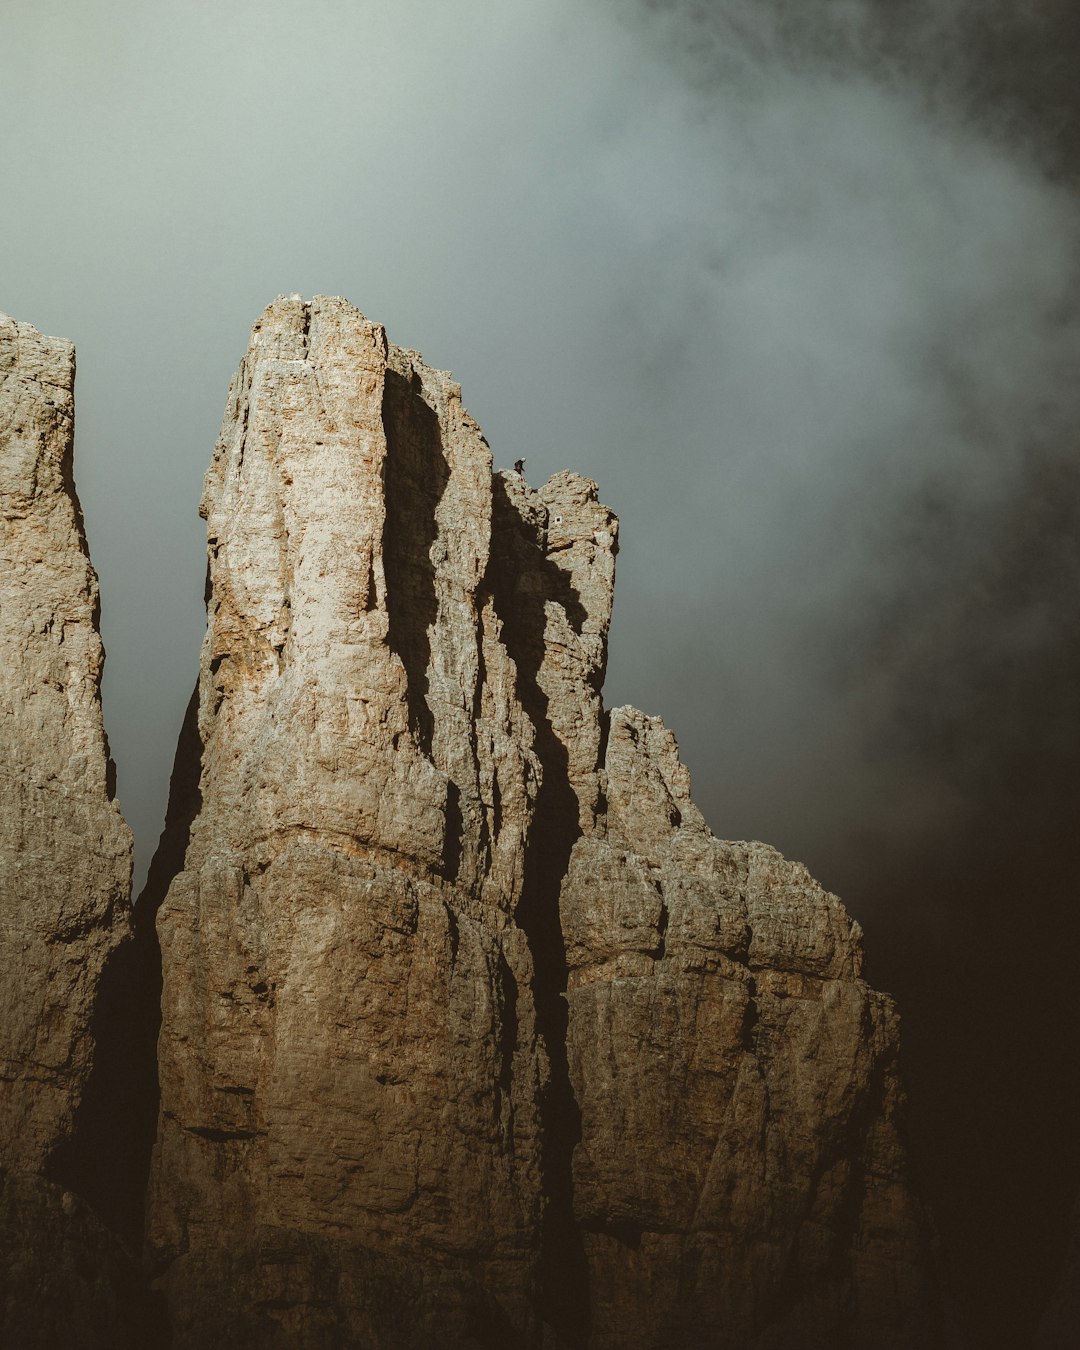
point(107, 1158)
point(416, 475)
point(564, 1278)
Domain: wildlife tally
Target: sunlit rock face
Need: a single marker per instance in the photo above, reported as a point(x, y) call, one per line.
point(65, 878)
point(472, 1033)
point(65, 852)
point(349, 1047)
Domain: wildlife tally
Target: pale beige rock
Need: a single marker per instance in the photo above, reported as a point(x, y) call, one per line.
point(455, 977)
point(65, 852)
point(348, 1047)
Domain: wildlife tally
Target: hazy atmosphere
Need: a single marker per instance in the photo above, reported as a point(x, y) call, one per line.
point(797, 286)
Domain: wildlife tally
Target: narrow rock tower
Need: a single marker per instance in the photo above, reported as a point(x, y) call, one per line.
point(472, 1033)
point(65, 880)
point(65, 852)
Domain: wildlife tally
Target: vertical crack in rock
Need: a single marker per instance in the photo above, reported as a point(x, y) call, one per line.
point(107, 1158)
point(416, 476)
point(471, 1031)
point(525, 583)
point(112, 1148)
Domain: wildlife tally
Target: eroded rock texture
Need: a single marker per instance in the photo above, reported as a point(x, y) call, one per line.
point(65, 877)
point(461, 998)
point(349, 1048)
point(739, 1180)
point(65, 852)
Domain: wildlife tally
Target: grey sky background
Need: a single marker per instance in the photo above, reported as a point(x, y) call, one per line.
point(794, 283)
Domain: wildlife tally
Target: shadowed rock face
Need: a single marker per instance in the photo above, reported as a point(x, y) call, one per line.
point(470, 1027)
point(739, 1157)
point(65, 852)
point(65, 1279)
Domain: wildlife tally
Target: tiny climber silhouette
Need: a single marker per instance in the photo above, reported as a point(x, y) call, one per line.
point(519, 466)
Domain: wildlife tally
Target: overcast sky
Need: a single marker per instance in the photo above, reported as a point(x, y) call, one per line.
point(794, 283)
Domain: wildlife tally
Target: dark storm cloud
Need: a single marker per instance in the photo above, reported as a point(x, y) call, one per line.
point(865, 347)
point(897, 661)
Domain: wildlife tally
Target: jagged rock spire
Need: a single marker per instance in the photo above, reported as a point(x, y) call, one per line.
point(65, 852)
point(472, 1032)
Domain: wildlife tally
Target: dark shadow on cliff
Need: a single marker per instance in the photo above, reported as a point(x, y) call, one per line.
point(854, 1225)
point(66, 1281)
point(107, 1161)
point(416, 475)
point(516, 552)
point(67, 473)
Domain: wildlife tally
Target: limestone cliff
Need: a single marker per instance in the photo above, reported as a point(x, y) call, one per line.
point(65, 852)
point(739, 1157)
point(65, 876)
point(348, 1048)
point(472, 1033)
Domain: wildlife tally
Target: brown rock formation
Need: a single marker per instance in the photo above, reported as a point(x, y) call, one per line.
point(469, 1024)
point(348, 1048)
point(65, 852)
point(65, 878)
point(739, 1179)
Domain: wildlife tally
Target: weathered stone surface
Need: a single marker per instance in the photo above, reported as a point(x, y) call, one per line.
point(461, 998)
point(65, 852)
point(281, 1289)
point(740, 1179)
point(348, 1047)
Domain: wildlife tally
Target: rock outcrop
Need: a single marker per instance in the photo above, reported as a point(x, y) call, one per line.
point(348, 1048)
point(66, 1281)
point(65, 852)
point(740, 1179)
point(472, 1033)
point(65, 873)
